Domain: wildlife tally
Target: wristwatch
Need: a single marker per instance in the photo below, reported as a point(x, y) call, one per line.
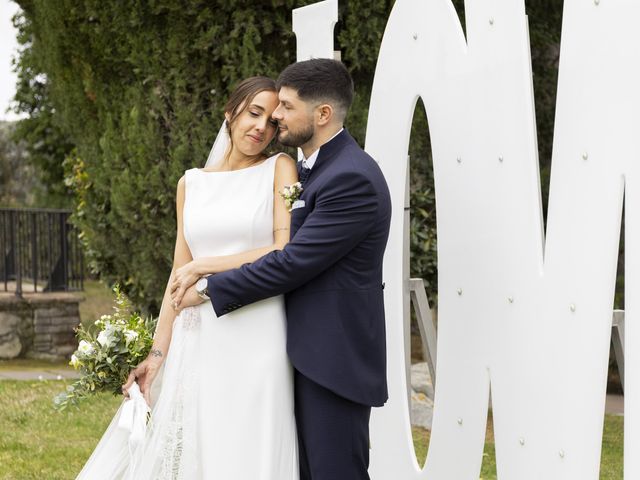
point(201, 288)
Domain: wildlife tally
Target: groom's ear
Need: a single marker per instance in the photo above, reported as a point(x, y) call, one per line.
point(324, 114)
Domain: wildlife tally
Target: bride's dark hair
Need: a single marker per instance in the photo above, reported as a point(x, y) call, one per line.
point(241, 98)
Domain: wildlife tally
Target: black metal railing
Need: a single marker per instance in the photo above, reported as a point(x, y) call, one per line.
point(39, 251)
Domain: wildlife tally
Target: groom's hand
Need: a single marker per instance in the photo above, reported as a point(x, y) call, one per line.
point(189, 299)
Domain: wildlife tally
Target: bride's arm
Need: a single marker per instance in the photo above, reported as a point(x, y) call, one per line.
point(285, 174)
point(147, 370)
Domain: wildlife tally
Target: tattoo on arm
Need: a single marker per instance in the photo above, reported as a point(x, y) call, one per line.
point(155, 352)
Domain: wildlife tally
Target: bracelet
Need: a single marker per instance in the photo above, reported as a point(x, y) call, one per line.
point(278, 229)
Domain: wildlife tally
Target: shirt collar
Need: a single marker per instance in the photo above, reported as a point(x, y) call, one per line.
point(310, 162)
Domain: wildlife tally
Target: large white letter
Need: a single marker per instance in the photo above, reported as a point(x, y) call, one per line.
point(313, 26)
point(526, 317)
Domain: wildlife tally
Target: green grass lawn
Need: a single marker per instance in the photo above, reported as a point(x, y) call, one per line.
point(610, 461)
point(39, 443)
point(98, 301)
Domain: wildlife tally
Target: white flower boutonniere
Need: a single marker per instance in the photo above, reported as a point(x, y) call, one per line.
point(291, 193)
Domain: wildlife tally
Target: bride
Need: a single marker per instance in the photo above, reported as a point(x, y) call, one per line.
point(221, 389)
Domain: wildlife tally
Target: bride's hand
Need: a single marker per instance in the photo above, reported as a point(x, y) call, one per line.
point(144, 373)
point(183, 278)
point(190, 299)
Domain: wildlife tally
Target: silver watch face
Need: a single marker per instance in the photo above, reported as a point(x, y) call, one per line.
point(201, 285)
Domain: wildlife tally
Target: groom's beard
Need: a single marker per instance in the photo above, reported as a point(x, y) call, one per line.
point(296, 138)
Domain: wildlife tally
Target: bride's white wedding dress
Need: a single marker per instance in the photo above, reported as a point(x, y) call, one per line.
point(223, 407)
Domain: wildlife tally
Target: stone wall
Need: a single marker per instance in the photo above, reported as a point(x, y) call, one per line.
point(38, 325)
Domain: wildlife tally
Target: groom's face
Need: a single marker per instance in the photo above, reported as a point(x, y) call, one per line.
point(295, 119)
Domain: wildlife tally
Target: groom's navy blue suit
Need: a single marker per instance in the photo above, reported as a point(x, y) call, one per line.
point(331, 272)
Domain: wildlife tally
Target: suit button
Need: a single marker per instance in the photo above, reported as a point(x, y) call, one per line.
point(383, 285)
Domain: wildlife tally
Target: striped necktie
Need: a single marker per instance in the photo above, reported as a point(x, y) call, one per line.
point(303, 173)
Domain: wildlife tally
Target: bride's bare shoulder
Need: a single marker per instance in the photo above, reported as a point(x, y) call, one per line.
point(284, 161)
point(286, 171)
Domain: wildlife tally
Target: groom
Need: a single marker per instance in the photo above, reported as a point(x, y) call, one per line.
point(331, 272)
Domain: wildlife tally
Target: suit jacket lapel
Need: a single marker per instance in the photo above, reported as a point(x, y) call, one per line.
point(327, 154)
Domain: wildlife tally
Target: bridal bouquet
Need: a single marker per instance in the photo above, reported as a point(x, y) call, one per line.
point(107, 353)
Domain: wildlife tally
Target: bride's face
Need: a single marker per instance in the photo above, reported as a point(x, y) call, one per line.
point(253, 129)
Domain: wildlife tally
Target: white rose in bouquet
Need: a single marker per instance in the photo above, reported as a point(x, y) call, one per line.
point(85, 348)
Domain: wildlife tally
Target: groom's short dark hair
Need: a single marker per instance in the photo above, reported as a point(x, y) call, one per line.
point(320, 79)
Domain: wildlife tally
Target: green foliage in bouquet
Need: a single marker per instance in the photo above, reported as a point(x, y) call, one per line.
point(106, 354)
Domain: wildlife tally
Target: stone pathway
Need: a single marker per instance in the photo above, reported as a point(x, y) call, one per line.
point(37, 374)
point(614, 405)
point(421, 395)
point(422, 398)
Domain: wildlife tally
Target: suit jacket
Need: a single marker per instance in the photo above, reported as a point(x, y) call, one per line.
point(331, 273)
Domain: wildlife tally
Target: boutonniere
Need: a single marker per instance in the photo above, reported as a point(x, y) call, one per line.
point(290, 194)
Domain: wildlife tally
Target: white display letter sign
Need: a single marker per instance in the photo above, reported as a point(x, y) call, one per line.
point(526, 317)
point(313, 26)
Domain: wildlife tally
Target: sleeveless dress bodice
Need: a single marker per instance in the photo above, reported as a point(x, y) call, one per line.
point(229, 212)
